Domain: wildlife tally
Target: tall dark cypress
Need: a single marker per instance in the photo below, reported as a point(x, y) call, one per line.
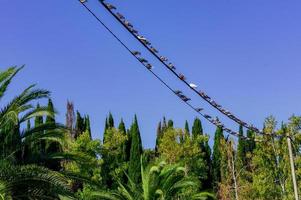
point(170, 124)
point(122, 130)
point(216, 157)
point(164, 125)
point(241, 148)
point(111, 121)
point(158, 136)
point(52, 147)
point(79, 125)
point(40, 148)
point(187, 131)
point(87, 125)
point(135, 154)
point(197, 129)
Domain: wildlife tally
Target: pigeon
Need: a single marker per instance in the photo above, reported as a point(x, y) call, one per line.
point(142, 60)
point(171, 66)
point(110, 6)
point(144, 40)
point(128, 24)
point(153, 50)
point(194, 86)
point(164, 59)
point(136, 53)
point(199, 109)
point(207, 116)
point(149, 66)
point(182, 77)
point(186, 99)
point(134, 31)
point(178, 92)
point(120, 16)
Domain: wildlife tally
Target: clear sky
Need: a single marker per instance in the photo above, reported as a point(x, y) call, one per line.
point(244, 54)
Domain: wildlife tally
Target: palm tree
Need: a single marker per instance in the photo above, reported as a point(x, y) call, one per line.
point(20, 177)
point(159, 182)
point(31, 182)
point(16, 144)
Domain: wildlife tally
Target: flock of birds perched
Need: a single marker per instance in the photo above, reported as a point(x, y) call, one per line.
point(171, 66)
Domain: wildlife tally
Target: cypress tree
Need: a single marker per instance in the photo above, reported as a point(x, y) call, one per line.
point(197, 129)
point(79, 125)
point(40, 148)
point(121, 127)
point(158, 136)
point(241, 148)
point(164, 125)
point(111, 121)
point(216, 157)
point(122, 130)
point(207, 158)
point(135, 153)
point(87, 125)
point(170, 124)
point(187, 131)
point(52, 147)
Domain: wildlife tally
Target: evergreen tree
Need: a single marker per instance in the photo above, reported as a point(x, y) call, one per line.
point(87, 125)
point(164, 125)
point(187, 131)
point(241, 148)
point(135, 153)
point(79, 125)
point(216, 157)
point(111, 121)
point(52, 147)
point(158, 136)
point(40, 148)
point(121, 128)
point(170, 124)
point(197, 129)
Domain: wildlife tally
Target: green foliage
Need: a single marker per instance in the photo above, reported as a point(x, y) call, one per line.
point(216, 157)
point(112, 154)
point(160, 181)
point(136, 152)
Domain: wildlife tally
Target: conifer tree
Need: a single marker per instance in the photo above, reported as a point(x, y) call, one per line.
point(111, 121)
point(197, 129)
point(170, 124)
point(216, 157)
point(87, 125)
point(158, 136)
point(121, 128)
point(79, 125)
point(241, 148)
point(40, 148)
point(52, 147)
point(164, 125)
point(135, 153)
point(187, 131)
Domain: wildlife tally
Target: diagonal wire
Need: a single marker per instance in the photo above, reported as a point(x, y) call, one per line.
point(161, 80)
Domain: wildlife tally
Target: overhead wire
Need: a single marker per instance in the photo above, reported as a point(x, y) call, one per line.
point(147, 65)
point(129, 27)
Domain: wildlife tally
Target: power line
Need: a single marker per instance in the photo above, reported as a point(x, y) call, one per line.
point(129, 27)
point(148, 67)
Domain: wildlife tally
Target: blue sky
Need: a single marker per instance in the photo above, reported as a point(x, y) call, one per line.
point(244, 54)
